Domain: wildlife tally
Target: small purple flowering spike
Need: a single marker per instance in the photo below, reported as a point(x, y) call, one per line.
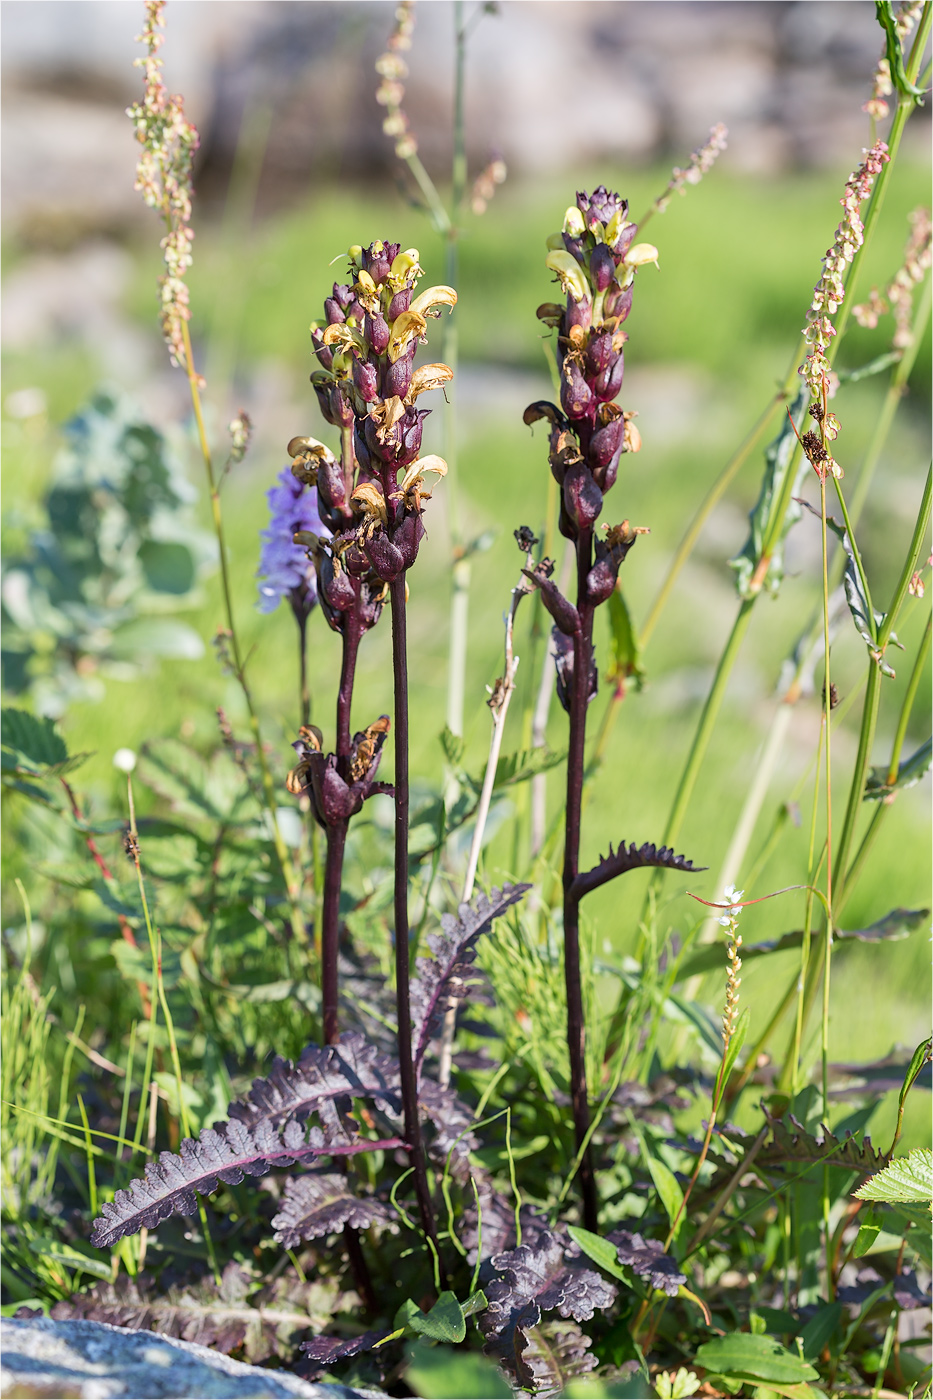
point(284, 568)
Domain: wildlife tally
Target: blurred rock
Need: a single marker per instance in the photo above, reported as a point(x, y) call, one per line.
point(47, 1360)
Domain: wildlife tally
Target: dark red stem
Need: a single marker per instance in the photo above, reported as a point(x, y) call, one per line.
point(330, 930)
point(576, 1031)
point(403, 1001)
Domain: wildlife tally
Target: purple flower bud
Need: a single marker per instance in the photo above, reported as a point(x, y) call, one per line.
point(576, 396)
point(366, 379)
point(606, 441)
point(334, 800)
point(399, 445)
point(397, 378)
point(333, 312)
point(407, 538)
point(360, 450)
point(410, 428)
point(575, 246)
point(322, 353)
point(376, 331)
point(331, 486)
point(609, 383)
point(399, 303)
point(602, 267)
point(337, 589)
point(387, 560)
point(563, 661)
point(565, 615)
point(343, 295)
point(599, 353)
point(354, 560)
point(377, 263)
point(578, 313)
point(583, 499)
point(372, 601)
point(601, 206)
point(624, 242)
point(618, 303)
point(600, 581)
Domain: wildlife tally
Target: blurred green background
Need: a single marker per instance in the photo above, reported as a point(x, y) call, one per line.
point(712, 335)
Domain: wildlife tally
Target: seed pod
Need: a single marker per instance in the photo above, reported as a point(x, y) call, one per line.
point(407, 539)
point(397, 378)
point(602, 267)
point(609, 382)
point(376, 331)
point(576, 396)
point(366, 380)
point(387, 560)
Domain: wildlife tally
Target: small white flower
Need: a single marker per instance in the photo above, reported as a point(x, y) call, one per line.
point(732, 894)
point(125, 760)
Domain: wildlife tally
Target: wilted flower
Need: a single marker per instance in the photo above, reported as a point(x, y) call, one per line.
point(284, 569)
point(338, 787)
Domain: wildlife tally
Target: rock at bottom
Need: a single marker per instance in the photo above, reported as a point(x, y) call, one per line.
point(48, 1360)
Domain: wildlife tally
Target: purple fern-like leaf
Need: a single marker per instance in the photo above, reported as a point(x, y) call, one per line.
point(444, 977)
point(321, 1203)
point(625, 858)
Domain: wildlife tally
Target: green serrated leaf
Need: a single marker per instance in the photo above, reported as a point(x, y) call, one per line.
point(33, 737)
point(453, 746)
point(526, 763)
point(753, 571)
point(752, 1359)
point(444, 1323)
point(907, 1178)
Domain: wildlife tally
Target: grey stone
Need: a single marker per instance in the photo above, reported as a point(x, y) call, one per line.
point(47, 1360)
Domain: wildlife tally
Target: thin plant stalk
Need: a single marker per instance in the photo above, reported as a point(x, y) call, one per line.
point(576, 768)
point(397, 589)
point(281, 850)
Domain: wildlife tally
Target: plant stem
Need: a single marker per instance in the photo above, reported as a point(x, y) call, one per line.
point(330, 929)
point(576, 767)
point(281, 850)
point(305, 707)
point(403, 1002)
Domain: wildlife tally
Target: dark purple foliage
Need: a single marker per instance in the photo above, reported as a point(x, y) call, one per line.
point(444, 976)
point(328, 1350)
point(323, 1074)
point(647, 1259)
point(321, 1203)
point(630, 857)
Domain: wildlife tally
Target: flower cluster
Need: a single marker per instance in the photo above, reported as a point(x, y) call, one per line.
point(284, 570)
point(829, 292)
point(484, 186)
point(163, 178)
point(904, 22)
point(595, 258)
point(393, 70)
point(730, 922)
point(367, 385)
point(701, 162)
point(335, 789)
point(898, 294)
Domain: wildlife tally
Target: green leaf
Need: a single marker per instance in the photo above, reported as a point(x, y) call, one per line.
point(907, 1178)
point(444, 1323)
point(668, 1189)
point(736, 1042)
point(899, 923)
point(700, 1019)
point(600, 1251)
point(909, 772)
point(753, 571)
point(453, 746)
point(526, 763)
point(868, 1232)
point(33, 747)
point(156, 636)
point(917, 1061)
point(754, 1358)
point(819, 1330)
point(866, 620)
point(895, 55)
point(626, 652)
point(168, 566)
point(440, 1373)
point(60, 1253)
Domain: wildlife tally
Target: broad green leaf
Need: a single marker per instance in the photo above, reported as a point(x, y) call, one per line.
point(32, 746)
point(668, 1189)
point(453, 746)
point(909, 772)
point(754, 1358)
point(777, 1320)
point(444, 1323)
point(600, 1251)
point(56, 1251)
point(626, 653)
point(35, 738)
point(477, 1302)
point(899, 923)
point(907, 1178)
point(818, 1331)
point(439, 1373)
point(169, 567)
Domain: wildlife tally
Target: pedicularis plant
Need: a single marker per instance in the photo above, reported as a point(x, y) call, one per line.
point(427, 1194)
